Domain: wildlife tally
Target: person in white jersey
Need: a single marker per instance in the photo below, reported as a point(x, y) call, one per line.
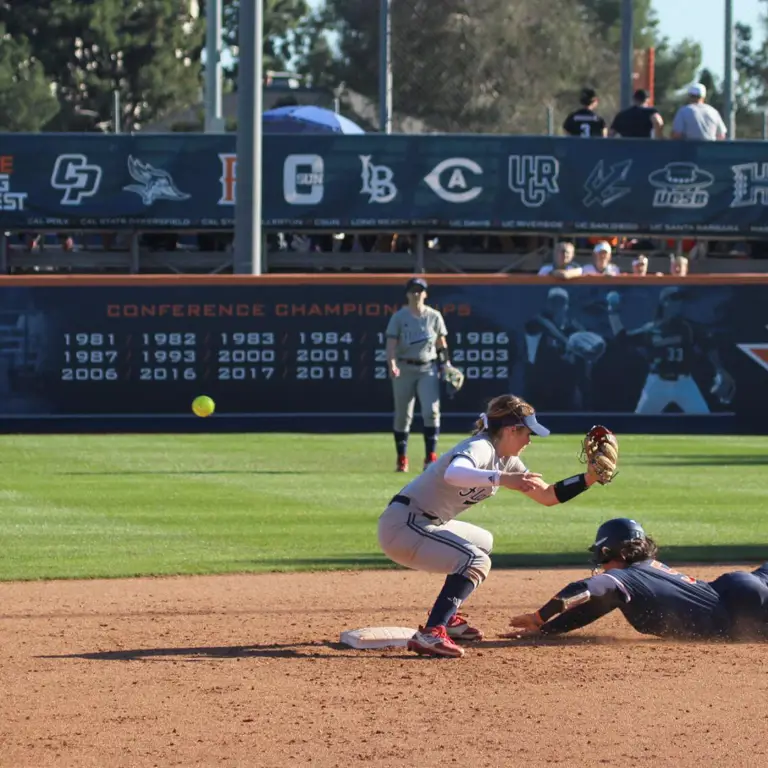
point(601, 262)
point(419, 529)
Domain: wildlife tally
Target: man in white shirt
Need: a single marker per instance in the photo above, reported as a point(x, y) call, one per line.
point(601, 262)
point(563, 266)
point(697, 120)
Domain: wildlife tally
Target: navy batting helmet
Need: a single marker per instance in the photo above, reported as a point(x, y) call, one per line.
point(610, 537)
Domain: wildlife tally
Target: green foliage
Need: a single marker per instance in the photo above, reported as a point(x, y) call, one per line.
point(118, 505)
point(146, 50)
point(26, 99)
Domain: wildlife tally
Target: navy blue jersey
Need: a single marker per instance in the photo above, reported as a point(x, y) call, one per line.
point(654, 598)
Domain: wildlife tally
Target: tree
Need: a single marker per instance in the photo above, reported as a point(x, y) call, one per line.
point(146, 50)
point(26, 98)
point(482, 66)
point(292, 34)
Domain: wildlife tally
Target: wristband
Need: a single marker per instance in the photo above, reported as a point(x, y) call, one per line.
point(568, 489)
point(442, 355)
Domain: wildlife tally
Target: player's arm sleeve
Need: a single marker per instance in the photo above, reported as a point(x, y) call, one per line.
point(581, 603)
point(442, 329)
point(393, 327)
point(568, 125)
point(462, 473)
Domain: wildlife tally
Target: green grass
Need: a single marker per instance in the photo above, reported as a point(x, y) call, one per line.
point(107, 506)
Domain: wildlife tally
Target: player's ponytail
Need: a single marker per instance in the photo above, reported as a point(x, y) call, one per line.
point(497, 410)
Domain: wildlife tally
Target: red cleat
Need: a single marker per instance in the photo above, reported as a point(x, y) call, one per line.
point(402, 464)
point(430, 459)
point(434, 641)
point(460, 630)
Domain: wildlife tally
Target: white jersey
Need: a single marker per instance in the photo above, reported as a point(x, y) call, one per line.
point(431, 494)
point(416, 336)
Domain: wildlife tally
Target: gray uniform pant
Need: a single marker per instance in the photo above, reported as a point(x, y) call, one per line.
point(414, 381)
point(410, 539)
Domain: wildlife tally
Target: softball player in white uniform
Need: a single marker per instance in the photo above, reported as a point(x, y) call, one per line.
point(419, 529)
point(416, 341)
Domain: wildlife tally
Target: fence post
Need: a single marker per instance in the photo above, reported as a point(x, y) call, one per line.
point(134, 253)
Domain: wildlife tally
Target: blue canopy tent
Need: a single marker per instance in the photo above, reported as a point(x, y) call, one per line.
point(307, 119)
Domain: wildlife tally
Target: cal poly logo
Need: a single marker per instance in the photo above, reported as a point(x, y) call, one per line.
point(534, 178)
point(450, 180)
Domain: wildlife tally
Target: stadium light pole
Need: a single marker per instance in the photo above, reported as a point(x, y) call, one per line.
point(627, 53)
point(213, 45)
point(248, 183)
point(385, 66)
point(730, 122)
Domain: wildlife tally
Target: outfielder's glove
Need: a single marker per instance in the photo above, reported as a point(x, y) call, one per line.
point(454, 379)
point(723, 387)
point(586, 345)
point(600, 451)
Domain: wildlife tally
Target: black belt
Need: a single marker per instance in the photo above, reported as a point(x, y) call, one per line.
point(406, 502)
point(415, 362)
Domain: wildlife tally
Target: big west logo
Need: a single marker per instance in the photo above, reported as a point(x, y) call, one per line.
point(228, 178)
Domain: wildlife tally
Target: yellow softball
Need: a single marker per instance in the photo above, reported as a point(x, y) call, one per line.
point(203, 406)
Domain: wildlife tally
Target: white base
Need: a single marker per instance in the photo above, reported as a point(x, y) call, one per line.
point(377, 637)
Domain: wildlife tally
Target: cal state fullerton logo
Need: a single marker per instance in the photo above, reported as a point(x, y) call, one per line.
point(228, 178)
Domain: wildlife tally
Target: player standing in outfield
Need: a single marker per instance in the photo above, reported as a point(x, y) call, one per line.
point(419, 529)
point(416, 343)
point(654, 598)
point(673, 345)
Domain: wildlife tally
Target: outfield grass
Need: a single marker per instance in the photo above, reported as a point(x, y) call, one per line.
point(106, 506)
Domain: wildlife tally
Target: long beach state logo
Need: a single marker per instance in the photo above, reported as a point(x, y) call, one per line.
point(750, 184)
point(152, 183)
point(534, 178)
point(378, 181)
point(681, 185)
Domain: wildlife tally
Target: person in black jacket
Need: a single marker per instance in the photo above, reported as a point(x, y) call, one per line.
point(640, 121)
point(585, 122)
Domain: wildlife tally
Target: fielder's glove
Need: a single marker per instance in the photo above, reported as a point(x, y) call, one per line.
point(453, 378)
point(600, 451)
point(724, 387)
point(586, 345)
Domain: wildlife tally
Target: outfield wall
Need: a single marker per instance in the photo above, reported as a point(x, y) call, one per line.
point(306, 353)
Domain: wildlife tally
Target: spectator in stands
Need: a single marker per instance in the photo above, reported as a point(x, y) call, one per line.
point(678, 266)
point(697, 120)
point(585, 122)
point(640, 121)
point(640, 265)
point(563, 266)
point(601, 262)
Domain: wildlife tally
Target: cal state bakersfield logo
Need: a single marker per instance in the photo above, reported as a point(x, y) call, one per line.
point(228, 178)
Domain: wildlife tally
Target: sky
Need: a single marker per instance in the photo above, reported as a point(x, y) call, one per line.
point(704, 22)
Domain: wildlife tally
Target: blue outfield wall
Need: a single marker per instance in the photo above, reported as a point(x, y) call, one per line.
point(398, 183)
point(301, 354)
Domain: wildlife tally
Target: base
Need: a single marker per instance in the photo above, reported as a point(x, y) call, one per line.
point(377, 637)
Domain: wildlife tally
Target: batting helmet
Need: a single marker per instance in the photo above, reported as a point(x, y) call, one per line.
point(610, 537)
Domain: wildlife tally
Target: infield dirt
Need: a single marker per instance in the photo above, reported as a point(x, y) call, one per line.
point(247, 671)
